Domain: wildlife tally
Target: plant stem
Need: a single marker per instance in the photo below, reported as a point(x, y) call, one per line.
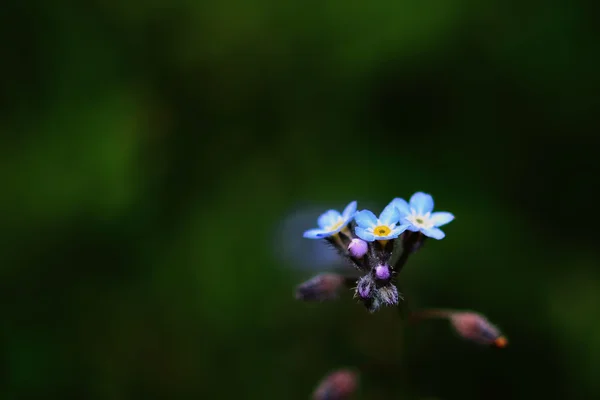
point(409, 244)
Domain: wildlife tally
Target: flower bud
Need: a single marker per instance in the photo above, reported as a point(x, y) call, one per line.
point(382, 272)
point(469, 325)
point(358, 248)
point(388, 295)
point(320, 288)
point(476, 327)
point(339, 385)
point(365, 287)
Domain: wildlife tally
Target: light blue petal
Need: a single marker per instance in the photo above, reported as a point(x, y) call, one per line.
point(434, 233)
point(330, 217)
point(390, 215)
point(421, 202)
point(441, 218)
point(363, 234)
point(316, 234)
point(400, 229)
point(401, 205)
point(411, 227)
point(388, 237)
point(365, 219)
point(339, 228)
point(349, 211)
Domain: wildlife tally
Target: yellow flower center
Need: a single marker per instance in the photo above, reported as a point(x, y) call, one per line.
point(381, 230)
point(419, 220)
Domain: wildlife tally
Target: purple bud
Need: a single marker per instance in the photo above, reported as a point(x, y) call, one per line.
point(320, 288)
point(364, 287)
point(358, 248)
point(364, 291)
point(382, 272)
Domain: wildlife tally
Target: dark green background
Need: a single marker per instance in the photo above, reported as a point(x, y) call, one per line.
point(150, 151)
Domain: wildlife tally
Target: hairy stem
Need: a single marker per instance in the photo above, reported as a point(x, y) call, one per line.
point(409, 245)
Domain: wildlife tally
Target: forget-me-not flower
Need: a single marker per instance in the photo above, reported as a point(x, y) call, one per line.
point(371, 228)
point(418, 214)
point(332, 222)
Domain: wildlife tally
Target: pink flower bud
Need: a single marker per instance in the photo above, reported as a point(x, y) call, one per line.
point(469, 325)
point(320, 288)
point(338, 385)
point(358, 248)
point(476, 327)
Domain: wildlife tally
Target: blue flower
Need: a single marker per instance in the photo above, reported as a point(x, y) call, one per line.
point(418, 214)
point(331, 222)
point(371, 228)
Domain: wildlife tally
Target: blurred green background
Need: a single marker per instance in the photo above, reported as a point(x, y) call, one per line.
point(152, 151)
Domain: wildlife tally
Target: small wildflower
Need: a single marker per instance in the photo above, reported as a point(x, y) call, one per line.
point(300, 254)
point(371, 228)
point(338, 385)
point(383, 272)
point(320, 288)
point(358, 248)
point(418, 215)
point(332, 222)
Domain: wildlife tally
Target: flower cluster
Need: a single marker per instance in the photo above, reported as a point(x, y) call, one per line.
point(379, 246)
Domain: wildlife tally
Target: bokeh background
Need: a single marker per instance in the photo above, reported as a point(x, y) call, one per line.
point(160, 160)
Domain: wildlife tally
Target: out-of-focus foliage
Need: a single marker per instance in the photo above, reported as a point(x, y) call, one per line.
point(150, 152)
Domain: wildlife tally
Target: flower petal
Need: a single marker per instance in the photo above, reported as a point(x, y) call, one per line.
point(365, 219)
point(434, 233)
point(421, 202)
point(363, 234)
point(441, 218)
point(411, 227)
point(349, 211)
point(336, 230)
point(316, 234)
point(401, 205)
point(389, 215)
point(328, 218)
point(400, 229)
